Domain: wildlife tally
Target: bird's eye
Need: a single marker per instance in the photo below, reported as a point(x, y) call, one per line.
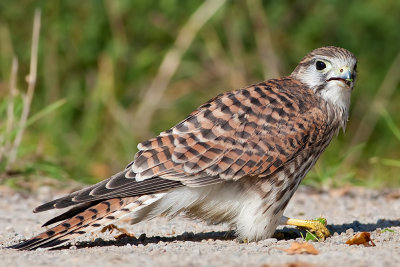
point(320, 65)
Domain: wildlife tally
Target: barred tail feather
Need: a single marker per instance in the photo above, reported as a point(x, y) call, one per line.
point(101, 214)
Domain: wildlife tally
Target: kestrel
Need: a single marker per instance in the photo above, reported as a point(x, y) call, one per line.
point(237, 159)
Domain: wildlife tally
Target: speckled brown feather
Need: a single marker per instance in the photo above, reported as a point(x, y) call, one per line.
point(248, 132)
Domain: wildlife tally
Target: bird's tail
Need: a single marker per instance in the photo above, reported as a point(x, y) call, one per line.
point(90, 219)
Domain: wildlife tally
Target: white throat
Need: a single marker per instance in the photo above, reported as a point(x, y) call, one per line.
point(337, 95)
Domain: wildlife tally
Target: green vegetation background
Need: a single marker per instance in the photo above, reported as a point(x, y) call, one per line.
point(101, 57)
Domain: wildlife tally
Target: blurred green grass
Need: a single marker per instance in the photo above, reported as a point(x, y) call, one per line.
point(101, 58)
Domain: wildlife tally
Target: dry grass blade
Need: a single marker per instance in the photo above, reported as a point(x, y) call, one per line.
point(232, 68)
point(265, 46)
point(31, 80)
point(12, 93)
point(4, 139)
point(170, 64)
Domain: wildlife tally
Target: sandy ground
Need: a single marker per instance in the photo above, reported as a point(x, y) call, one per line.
point(182, 242)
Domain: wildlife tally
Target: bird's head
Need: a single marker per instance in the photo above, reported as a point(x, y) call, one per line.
point(331, 73)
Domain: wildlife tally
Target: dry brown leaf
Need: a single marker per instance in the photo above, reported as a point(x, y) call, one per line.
point(301, 248)
point(362, 238)
point(112, 227)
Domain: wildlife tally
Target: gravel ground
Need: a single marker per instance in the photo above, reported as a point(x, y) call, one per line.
point(182, 242)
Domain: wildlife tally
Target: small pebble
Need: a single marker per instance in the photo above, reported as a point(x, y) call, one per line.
point(350, 231)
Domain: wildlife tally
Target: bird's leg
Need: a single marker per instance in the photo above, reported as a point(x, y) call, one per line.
point(314, 226)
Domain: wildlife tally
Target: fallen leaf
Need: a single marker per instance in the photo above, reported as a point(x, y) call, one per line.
point(301, 248)
point(362, 238)
point(112, 227)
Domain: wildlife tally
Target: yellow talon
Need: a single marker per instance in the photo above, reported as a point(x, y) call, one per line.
point(314, 226)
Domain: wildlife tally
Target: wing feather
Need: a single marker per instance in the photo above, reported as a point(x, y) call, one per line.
point(122, 187)
point(247, 132)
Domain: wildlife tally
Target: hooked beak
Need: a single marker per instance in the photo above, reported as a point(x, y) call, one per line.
point(344, 75)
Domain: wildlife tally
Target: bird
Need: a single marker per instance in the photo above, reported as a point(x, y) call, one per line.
point(237, 159)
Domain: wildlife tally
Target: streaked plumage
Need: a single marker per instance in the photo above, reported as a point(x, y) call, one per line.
point(237, 159)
